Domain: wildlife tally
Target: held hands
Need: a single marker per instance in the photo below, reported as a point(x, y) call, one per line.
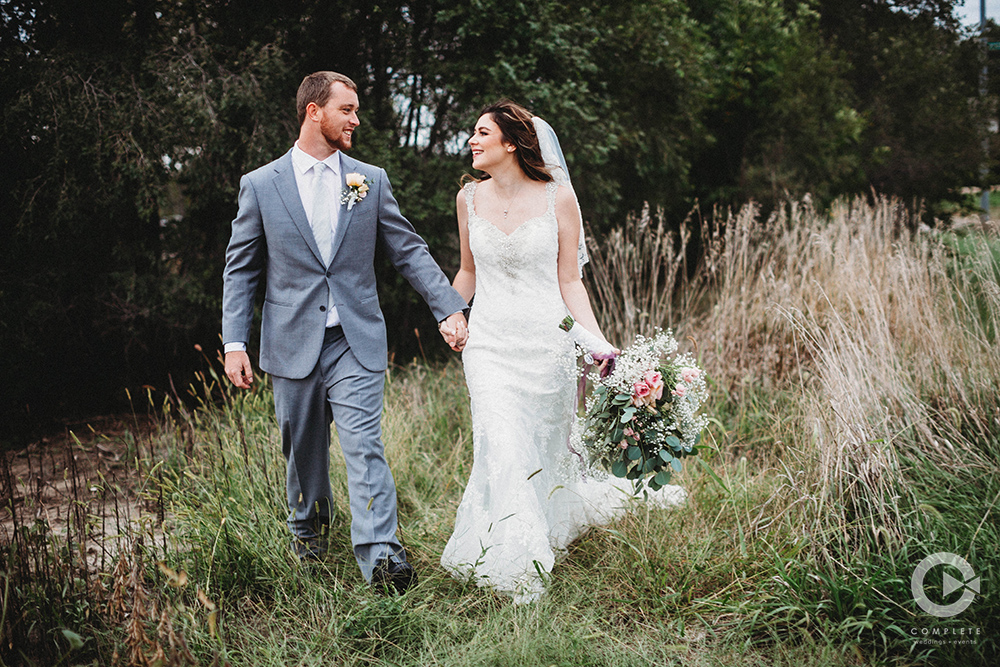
point(238, 369)
point(454, 331)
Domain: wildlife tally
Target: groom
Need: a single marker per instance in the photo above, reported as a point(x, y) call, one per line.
point(308, 223)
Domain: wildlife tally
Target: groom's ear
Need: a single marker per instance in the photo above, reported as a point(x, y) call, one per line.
point(312, 110)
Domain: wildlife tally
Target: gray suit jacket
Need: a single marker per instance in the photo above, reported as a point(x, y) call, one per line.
point(271, 236)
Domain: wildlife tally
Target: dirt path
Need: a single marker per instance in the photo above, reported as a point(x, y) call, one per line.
point(83, 484)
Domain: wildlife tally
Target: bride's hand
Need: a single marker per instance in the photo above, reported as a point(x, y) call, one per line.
point(606, 364)
point(454, 331)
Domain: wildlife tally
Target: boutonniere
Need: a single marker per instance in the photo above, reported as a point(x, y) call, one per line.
point(357, 189)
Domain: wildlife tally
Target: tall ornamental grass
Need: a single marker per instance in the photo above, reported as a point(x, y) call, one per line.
point(855, 356)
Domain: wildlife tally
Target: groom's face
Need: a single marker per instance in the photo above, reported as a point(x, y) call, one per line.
point(340, 117)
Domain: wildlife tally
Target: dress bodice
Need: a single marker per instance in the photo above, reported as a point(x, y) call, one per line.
point(517, 273)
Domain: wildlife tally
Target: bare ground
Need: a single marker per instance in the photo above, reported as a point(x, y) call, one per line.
point(84, 484)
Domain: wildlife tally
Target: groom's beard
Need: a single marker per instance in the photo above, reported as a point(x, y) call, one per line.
point(335, 137)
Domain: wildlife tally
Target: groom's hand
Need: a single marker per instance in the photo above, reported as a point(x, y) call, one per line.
point(238, 369)
point(455, 331)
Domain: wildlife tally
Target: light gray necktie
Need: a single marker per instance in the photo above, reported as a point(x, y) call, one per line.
point(322, 216)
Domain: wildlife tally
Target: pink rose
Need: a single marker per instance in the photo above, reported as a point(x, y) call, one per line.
point(679, 390)
point(655, 382)
point(640, 390)
point(689, 375)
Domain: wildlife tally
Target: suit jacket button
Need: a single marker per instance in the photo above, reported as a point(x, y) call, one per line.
point(322, 308)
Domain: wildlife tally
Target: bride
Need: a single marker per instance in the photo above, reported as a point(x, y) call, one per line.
point(520, 229)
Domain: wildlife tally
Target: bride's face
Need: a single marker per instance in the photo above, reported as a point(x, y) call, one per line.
point(489, 148)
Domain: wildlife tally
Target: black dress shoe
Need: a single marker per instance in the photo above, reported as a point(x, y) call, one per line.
point(308, 550)
point(310, 539)
point(390, 576)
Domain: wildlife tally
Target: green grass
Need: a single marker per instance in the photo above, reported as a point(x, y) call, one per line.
point(854, 432)
point(726, 580)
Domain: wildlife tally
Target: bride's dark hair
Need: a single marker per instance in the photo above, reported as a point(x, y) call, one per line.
point(517, 128)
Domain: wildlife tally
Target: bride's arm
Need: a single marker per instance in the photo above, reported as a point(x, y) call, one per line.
point(465, 279)
point(574, 293)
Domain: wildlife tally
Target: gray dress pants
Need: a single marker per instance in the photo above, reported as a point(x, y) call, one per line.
point(343, 391)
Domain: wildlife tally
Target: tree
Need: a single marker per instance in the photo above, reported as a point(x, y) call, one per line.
point(99, 292)
point(915, 83)
point(128, 127)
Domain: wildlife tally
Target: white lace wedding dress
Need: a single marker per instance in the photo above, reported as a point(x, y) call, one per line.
point(528, 496)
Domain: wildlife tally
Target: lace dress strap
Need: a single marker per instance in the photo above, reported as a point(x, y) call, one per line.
point(470, 194)
point(551, 188)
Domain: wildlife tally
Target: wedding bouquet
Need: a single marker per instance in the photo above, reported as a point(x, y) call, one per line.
point(642, 417)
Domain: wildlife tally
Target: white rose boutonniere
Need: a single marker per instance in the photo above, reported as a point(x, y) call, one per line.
point(357, 189)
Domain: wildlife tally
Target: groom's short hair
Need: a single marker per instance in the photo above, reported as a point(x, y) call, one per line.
point(316, 88)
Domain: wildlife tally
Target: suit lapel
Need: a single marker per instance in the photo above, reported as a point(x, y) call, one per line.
point(347, 165)
point(288, 190)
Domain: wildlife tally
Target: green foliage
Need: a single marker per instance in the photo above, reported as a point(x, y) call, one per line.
point(128, 127)
point(781, 120)
point(644, 456)
point(915, 83)
point(101, 292)
point(48, 613)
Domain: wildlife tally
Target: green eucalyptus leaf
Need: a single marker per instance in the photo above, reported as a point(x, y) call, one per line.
point(619, 469)
point(634, 453)
point(662, 478)
point(676, 464)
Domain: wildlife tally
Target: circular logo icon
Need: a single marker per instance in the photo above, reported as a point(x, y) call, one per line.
point(969, 584)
